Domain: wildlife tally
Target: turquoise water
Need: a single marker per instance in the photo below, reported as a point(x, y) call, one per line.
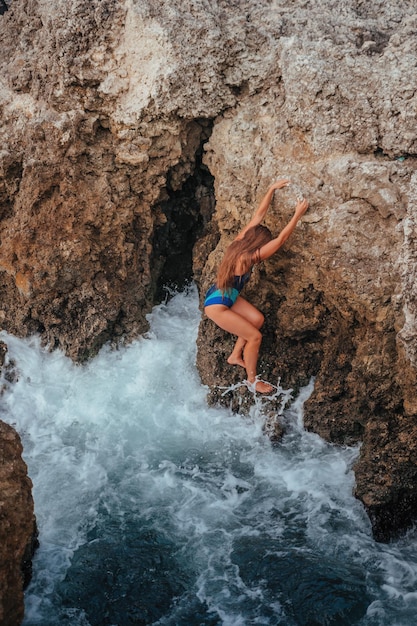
point(155, 509)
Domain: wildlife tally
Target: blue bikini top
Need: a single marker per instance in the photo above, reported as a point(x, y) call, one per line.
point(240, 281)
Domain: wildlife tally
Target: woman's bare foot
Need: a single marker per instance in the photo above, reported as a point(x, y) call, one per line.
point(236, 360)
point(261, 387)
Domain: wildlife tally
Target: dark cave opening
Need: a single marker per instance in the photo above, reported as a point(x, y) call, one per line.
point(187, 212)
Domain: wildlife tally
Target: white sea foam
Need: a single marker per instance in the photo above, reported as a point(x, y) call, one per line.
point(128, 442)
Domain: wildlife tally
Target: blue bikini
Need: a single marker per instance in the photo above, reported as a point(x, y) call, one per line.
point(230, 295)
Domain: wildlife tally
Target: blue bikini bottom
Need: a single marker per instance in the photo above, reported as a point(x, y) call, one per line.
point(217, 296)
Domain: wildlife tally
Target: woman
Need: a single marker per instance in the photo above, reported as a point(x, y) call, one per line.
point(223, 303)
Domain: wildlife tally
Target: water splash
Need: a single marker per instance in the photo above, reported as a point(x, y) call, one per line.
point(154, 508)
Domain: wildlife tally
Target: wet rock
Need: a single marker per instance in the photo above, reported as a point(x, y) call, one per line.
point(18, 535)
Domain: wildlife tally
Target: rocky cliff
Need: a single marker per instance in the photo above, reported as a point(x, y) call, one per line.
point(137, 138)
point(18, 534)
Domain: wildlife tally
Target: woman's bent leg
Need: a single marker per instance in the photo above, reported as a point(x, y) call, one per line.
point(255, 317)
point(236, 356)
point(230, 321)
point(249, 312)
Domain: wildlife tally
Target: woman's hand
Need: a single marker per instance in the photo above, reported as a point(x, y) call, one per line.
point(280, 184)
point(272, 246)
point(260, 212)
point(301, 207)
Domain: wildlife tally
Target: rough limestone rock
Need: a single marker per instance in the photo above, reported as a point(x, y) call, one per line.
point(17, 523)
point(17, 527)
point(135, 132)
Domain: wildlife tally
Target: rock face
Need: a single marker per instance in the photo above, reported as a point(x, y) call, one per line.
point(17, 527)
point(89, 172)
point(17, 523)
point(118, 122)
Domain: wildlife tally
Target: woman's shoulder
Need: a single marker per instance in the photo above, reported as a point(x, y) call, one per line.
point(240, 267)
point(243, 266)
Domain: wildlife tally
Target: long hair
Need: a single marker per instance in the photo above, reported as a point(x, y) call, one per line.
point(245, 250)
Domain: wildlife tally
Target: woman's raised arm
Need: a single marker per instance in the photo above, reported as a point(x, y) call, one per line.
point(260, 212)
point(271, 247)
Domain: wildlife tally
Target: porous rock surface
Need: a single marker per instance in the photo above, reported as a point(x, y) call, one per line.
point(135, 132)
point(18, 534)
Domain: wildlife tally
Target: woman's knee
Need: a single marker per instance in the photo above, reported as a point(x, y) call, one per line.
point(256, 319)
point(255, 337)
point(260, 318)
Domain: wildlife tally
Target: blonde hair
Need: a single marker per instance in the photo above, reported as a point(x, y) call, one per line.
point(245, 250)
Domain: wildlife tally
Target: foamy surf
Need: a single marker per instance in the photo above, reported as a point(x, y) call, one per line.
point(154, 508)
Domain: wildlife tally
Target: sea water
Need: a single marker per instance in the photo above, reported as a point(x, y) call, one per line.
point(154, 508)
